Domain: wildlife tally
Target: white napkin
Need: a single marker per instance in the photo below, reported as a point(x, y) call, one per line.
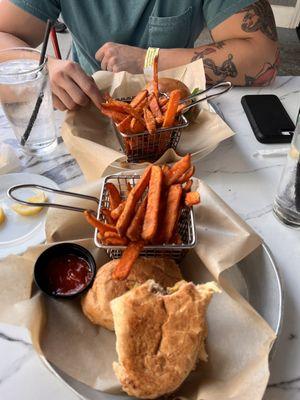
point(9, 161)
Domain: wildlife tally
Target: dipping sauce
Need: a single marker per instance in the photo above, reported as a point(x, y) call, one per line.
point(64, 270)
point(66, 274)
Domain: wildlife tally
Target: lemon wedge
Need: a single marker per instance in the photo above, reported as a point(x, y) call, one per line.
point(28, 211)
point(2, 216)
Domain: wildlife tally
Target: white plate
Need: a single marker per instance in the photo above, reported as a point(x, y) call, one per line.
point(17, 233)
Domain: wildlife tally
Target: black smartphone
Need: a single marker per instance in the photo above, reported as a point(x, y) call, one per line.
point(268, 118)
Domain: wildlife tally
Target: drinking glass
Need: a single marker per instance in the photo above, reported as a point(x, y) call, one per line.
point(22, 82)
point(287, 201)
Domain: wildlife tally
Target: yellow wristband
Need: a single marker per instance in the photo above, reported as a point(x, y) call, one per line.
point(149, 60)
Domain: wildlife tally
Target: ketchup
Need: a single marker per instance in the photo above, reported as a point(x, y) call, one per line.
point(66, 274)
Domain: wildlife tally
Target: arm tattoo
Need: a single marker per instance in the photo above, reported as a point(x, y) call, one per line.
point(259, 17)
point(265, 76)
point(202, 53)
point(227, 68)
point(208, 50)
point(219, 45)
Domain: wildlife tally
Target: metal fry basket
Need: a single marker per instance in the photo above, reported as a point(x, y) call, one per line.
point(146, 147)
point(186, 226)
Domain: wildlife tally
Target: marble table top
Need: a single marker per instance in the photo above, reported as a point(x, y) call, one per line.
point(247, 182)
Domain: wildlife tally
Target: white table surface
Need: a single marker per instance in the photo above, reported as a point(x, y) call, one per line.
point(248, 184)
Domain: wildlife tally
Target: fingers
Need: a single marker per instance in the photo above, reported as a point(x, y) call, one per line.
point(104, 64)
point(107, 56)
point(65, 98)
point(116, 57)
point(89, 87)
point(71, 86)
point(106, 49)
point(100, 53)
point(75, 92)
point(115, 68)
point(111, 64)
point(85, 83)
point(57, 104)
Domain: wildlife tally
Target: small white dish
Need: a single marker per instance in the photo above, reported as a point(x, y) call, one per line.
point(17, 233)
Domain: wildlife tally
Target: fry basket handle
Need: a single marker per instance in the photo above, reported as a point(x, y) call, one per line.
point(221, 87)
point(11, 194)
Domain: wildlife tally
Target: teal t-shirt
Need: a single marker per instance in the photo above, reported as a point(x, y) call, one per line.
point(142, 23)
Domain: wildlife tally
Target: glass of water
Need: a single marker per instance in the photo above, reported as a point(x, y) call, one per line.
point(22, 82)
point(287, 201)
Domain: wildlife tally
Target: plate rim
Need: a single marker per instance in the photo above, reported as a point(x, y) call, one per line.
point(272, 351)
point(279, 281)
point(41, 226)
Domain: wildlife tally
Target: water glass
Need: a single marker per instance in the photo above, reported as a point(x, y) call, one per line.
point(287, 201)
point(22, 82)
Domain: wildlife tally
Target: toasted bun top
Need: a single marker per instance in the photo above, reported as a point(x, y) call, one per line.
point(166, 85)
point(159, 337)
point(96, 303)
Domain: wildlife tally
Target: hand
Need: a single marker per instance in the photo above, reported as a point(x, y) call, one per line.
point(71, 87)
point(116, 57)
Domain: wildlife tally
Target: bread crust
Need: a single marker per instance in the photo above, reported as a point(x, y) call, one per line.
point(159, 337)
point(166, 85)
point(96, 303)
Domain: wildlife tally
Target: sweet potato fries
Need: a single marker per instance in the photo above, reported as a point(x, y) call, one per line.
point(144, 114)
point(150, 213)
point(147, 111)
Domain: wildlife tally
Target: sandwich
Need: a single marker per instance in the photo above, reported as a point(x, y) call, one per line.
point(167, 85)
point(96, 303)
point(160, 336)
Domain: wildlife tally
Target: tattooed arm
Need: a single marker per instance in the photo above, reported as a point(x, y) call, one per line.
point(245, 50)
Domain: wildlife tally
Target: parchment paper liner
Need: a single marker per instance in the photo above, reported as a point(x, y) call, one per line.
point(89, 137)
point(239, 339)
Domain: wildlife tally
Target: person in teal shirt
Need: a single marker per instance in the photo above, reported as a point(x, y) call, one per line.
point(114, 35)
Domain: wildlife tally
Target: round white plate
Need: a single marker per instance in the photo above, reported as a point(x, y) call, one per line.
point(17, 233)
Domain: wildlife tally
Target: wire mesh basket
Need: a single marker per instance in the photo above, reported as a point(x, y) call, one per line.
point(143, 146)
point(186, 226)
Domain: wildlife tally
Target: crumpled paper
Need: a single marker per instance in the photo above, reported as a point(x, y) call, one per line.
point(239, 340)
point(91, 140)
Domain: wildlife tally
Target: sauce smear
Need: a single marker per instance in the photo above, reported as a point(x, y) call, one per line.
point(67, 274)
